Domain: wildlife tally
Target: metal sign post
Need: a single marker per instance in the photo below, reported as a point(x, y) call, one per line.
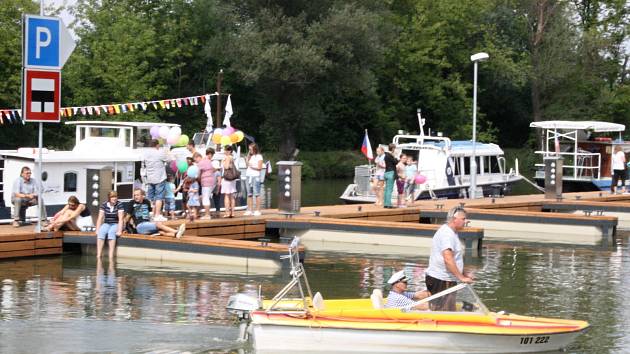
point(46, 45)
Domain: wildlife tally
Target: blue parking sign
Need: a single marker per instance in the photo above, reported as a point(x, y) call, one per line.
point(42, 42)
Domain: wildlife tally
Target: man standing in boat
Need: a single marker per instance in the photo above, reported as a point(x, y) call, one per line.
point(446, 263)
point(154, 161)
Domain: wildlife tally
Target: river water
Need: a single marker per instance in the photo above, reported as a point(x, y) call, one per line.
point(72, 304)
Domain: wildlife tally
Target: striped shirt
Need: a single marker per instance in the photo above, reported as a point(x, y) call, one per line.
point(400, 301)
point(111, 212)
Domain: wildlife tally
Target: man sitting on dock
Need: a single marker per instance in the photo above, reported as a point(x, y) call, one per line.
point(138, 211)
point(399, 298)
point(24, 195)
point(446, 263)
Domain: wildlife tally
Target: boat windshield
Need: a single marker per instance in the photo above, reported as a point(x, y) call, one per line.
point(460, 298)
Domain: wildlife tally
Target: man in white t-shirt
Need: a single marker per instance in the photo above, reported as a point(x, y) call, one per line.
point(619, 169)
point(154, 163)
point(446, 263)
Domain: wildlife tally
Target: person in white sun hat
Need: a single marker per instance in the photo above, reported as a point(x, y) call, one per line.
point(400, 298)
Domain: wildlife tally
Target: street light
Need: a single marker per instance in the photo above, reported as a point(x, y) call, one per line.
point(475, 58)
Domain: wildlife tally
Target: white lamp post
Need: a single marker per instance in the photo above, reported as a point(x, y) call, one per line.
point(473, 160)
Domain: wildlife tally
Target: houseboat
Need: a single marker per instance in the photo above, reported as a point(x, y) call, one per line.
point(106, 156)
point(586, 148)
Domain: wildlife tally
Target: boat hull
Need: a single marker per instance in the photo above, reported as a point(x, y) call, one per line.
point(278, 338)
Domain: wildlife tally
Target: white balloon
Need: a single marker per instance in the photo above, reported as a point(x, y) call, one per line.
point(164, 131)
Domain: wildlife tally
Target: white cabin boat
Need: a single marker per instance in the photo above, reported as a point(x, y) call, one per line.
point(446, 166)
point(586, 148)
point(111, 150)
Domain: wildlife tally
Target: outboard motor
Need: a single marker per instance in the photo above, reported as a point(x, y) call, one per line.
point(241, 305)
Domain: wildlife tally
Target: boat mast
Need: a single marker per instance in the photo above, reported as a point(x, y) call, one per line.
point(219, 80)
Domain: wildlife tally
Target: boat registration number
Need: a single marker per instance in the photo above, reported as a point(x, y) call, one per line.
point(535, 340)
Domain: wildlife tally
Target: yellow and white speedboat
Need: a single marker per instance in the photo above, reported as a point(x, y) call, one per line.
point(311, 324)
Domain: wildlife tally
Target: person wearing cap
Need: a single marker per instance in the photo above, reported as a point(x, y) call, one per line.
point(446, 263)
point(400, 298)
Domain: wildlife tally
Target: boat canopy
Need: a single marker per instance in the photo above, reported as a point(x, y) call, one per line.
point(595, 126)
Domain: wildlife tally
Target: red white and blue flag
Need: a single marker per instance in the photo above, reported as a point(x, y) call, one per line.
point(366, 148)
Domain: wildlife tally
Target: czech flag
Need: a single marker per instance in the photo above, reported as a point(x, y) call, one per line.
point(366, 148)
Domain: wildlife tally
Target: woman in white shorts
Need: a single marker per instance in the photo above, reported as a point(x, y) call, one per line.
point(228, 185)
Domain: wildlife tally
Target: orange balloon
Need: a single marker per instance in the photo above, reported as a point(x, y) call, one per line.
point(234, 138)
point(216, 138)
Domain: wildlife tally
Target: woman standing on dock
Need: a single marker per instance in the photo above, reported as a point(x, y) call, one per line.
point(109, 224)
point(228, 183)
point(389, 175)
point(254, 169)
point(379, 175)
point(400, 179)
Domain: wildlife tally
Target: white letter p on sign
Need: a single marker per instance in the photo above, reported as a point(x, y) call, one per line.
point(40, 42)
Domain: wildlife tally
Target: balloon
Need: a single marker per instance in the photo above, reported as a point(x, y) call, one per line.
point(173, 166)
point(175, 131)
point(164, 132)
point(155, 132)
point(216, 138)
point(225, 140)
point(193, 171)
point(183, 140)
point(240, 135)
point(218, 131)
point(420, 179)
point(182, 166)
point(172, 140)
point(228, 131)
point(234, 138)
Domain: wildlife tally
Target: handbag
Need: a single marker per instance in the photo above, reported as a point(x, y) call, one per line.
point(231, 173)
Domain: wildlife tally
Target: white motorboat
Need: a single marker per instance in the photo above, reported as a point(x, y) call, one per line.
point(311, 324)
point(446, 166)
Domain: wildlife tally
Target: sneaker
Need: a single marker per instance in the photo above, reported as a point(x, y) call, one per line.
point(16, 224)
point(155, 234)
point(180, 231)
point(257, 213)
point(159, 218)
point(247, 213)
point(206, 217)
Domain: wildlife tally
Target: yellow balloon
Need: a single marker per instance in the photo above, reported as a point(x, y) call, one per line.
point(216, 138)
point(240, 135)
point(225, 140)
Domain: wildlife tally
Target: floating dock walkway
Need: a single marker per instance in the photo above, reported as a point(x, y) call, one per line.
point(590, 218)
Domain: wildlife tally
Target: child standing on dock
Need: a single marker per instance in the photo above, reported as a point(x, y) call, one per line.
point(379, 175)
point(400, 180)
point(410, 179)
point(169, 197)
point(193, 199)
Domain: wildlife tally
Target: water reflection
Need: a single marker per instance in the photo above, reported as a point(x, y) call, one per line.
point(71, 303)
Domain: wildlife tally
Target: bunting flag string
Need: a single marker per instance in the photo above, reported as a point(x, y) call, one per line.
point(15, 115)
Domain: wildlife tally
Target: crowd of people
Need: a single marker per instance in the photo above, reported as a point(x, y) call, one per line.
point(390, 172)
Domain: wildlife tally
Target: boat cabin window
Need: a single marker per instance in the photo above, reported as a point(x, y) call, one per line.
point(104, 132)
point(491, 164)
point(412, 153)
point(82, 131)
point(143, 137)
point(44, 176)
point(70, 182)
point(201, 138)
point(466, 162)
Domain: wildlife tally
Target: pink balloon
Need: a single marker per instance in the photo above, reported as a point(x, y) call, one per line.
point(173, 166)
point(155, 132)
point(420, 179)
point(172, 139)
point(228, 131)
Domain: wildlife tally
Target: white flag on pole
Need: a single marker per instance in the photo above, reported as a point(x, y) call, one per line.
point(228, 112)
point(208, 111)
